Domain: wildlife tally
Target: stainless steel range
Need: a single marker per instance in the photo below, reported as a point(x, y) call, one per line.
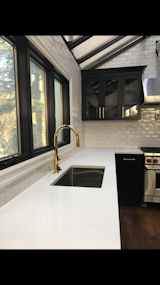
point(152, 174)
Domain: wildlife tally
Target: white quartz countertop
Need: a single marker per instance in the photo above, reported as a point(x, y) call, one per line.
point(63, 217)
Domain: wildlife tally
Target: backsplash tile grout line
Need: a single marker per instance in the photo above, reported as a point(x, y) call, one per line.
point(124, 134)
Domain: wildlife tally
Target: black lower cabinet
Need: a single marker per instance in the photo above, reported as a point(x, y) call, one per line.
point(130, 179)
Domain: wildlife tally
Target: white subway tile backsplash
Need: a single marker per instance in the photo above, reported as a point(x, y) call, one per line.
point(33, 178)
point(13, 189)
point(121, 134)
point(12, 192)
point(23, 185)
point(6, 187)
point(2, 199)
point(141, 54)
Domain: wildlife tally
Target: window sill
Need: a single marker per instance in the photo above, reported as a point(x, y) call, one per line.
point(17, 171)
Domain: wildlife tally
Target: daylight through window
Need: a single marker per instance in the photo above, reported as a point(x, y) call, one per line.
point(38, 100)
point(34, 102)
point(8, 113)
point(58, 108)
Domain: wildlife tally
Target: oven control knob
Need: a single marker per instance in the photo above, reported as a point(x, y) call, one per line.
point(155, 160)
point(148, 160)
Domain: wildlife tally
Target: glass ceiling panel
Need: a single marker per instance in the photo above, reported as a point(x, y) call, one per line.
point(108, 51)
point(90, 45)
point(70, 38)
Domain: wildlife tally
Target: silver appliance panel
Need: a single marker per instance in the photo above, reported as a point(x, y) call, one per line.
point(152, 158)
point(151, 89)
point(152, 185)
point(151, 154)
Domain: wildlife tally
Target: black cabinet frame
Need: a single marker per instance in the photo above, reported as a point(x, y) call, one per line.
point(138, 77)
point(113, 73)
point(84, 88)
point(112, 77)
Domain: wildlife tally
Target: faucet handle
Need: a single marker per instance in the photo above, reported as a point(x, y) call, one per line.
point(62, 158)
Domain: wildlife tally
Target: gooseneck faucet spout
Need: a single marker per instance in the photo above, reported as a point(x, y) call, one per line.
point(56, 159)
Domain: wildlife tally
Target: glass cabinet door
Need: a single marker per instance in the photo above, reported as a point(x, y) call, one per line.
point(91, 105)
point(130, 100)
point(112, 97)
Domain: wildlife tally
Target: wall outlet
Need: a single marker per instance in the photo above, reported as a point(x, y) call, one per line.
point(157, 117)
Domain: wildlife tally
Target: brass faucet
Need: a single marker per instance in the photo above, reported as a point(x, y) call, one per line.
point(56, 159)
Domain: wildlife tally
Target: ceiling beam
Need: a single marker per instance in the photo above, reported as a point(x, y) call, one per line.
point(128, 46)
point(77, 41)
point(69, 49)
point(100, 48)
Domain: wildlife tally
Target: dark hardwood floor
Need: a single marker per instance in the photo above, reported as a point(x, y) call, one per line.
point(140, 227)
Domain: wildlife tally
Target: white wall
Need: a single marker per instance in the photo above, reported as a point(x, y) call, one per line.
point(143, 53)
point(126, 134)
point(17, 178)
point(130, 134)
point(54, 48)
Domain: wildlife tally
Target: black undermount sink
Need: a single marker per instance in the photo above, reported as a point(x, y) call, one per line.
point(81, 177)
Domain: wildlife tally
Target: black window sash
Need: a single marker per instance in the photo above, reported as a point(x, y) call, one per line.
point(26, 51)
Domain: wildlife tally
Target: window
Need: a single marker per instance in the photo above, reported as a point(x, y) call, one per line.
point(8, 110)
point(58, 108)
point(34, 102)
point(62, 110)
point(38, 102)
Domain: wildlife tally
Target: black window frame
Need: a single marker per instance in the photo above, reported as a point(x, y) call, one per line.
point(25, 52)
point(66, 106)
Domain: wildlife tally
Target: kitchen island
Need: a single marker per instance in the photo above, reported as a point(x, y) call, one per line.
point(66, 217)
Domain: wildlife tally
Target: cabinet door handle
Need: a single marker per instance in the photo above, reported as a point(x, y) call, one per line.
point(122, 112)
point(131, 159)
point(103, 112)
point(99, 112)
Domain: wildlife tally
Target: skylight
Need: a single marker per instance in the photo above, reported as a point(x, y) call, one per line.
point(90, 52)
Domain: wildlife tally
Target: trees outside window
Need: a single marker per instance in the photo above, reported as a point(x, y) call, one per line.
point(8, 112)
point(38, 100)
point(34, 102)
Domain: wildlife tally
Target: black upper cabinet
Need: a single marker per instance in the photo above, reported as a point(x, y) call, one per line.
point(112, 94)
point(92, 101)
point(131, 97)
point(111, 97)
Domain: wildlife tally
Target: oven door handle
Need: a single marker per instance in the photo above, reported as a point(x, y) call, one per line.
point(151, 168)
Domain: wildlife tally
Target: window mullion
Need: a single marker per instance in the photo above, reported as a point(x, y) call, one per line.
point(50, 107)
point(17, 101)
point(39, 105)
point(25, 99)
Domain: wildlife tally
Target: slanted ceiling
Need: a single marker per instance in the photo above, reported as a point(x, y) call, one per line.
point(91, 52)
